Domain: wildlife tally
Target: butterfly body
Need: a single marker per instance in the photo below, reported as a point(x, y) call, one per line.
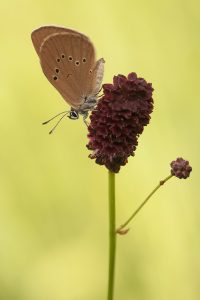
point(67, 58)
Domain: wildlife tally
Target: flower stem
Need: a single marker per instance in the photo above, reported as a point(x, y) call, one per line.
point(112, 235)
point(121, 230)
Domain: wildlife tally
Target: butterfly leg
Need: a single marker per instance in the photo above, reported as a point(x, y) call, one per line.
point(86, 123)
point(85, 115)
point(99, 90)
point(97, 94)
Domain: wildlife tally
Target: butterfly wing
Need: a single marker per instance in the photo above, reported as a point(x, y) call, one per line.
point(97, 77)
point(67, 60)
point(39, 34)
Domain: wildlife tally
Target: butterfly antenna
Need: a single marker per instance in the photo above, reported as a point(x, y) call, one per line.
point(51, 131)
point(54, 117)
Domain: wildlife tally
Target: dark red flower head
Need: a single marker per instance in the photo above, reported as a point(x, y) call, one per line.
point(180, 168)
point(119, 119)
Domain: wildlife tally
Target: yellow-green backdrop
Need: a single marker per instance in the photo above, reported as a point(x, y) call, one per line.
point(53, 199)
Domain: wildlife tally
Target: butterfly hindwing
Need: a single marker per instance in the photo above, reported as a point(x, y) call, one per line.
point(97, 77)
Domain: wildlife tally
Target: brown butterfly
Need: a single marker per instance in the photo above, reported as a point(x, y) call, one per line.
point(67, 58)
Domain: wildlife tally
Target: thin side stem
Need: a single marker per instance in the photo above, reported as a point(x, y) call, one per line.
point(112, 235)
point(121, 230)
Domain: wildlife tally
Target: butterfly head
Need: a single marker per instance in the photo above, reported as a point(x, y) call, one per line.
point(73, 114)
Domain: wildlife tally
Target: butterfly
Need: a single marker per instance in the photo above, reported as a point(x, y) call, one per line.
point(68, 60)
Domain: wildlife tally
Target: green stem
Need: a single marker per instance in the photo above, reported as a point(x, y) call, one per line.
point(120, 230)
point(112, 235)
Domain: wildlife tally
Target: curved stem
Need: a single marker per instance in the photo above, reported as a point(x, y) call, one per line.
point(121, 230)
point(112, 235)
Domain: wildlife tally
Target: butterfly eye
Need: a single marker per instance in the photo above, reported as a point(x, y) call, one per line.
point(58, 59)
point(57, 70)
point(70, 58)
point(63, 55)
point(84, 60)
point(77, 63)
point(73, 115)
point(55, 78)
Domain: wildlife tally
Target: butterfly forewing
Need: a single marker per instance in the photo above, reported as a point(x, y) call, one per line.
point(43, 32)
point(67, 60)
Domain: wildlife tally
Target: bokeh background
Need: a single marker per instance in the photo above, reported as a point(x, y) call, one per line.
point(53, 199)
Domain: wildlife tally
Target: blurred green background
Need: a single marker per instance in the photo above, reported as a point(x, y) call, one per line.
point(53, 199)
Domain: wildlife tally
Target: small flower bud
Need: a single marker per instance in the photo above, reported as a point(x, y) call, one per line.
point(180, 168)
